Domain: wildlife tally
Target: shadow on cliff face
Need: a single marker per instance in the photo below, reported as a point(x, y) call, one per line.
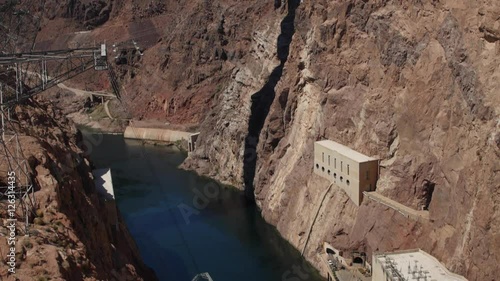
point(263, 99)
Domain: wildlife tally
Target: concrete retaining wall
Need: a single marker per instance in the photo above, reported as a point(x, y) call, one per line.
point(155, 134)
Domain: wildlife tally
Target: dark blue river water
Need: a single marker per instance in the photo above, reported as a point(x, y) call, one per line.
point(178, 238)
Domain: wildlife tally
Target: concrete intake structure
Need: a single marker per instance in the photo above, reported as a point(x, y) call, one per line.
point(192, 141)
point(347, 168)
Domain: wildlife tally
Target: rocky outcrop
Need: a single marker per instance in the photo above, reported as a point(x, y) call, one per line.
point(71, 235)
point(88, 13)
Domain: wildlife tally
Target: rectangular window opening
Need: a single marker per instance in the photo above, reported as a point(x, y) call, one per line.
point(347, 169)
point(341, 165)
point(328, 160)
point(323, 157)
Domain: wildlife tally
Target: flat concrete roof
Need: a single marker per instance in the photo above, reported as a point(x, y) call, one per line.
point(104, 183)
point(419, 261)
point(346, 151)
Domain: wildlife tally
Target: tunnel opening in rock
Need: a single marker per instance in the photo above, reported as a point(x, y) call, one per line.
point(330, 251)
point(263, 99)
point(427, 191)
point(357, 260)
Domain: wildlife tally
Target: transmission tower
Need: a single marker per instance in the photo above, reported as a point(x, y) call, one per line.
point(23, 75)
point(13, 163)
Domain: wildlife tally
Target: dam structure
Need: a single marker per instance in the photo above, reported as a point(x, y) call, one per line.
point(162, 135)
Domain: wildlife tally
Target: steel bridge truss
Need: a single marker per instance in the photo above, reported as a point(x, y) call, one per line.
point(27, 74)
point(14, 164)
point(22, 76)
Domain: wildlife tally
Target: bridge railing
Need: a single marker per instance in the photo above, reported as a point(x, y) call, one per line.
point(27, 74)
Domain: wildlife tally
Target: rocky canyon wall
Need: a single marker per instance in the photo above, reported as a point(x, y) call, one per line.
point(412, 83)
point(71, 235)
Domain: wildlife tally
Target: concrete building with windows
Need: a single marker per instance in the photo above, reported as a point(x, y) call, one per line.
point(352, 171)
point(410, 265)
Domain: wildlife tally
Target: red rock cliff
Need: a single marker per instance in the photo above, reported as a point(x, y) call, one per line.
point(71, 234)
point(410, 82)
point(413, 83)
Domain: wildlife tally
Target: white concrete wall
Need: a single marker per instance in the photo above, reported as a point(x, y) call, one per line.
point(345, 172)
point(155, 134)
point(367, 183)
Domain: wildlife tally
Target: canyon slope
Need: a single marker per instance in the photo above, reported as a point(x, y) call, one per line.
point(72, 235)
point(412, 83)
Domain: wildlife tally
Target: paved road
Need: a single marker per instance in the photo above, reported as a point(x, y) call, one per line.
point(349, 275)
point(76, 91)
point(80, 92)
